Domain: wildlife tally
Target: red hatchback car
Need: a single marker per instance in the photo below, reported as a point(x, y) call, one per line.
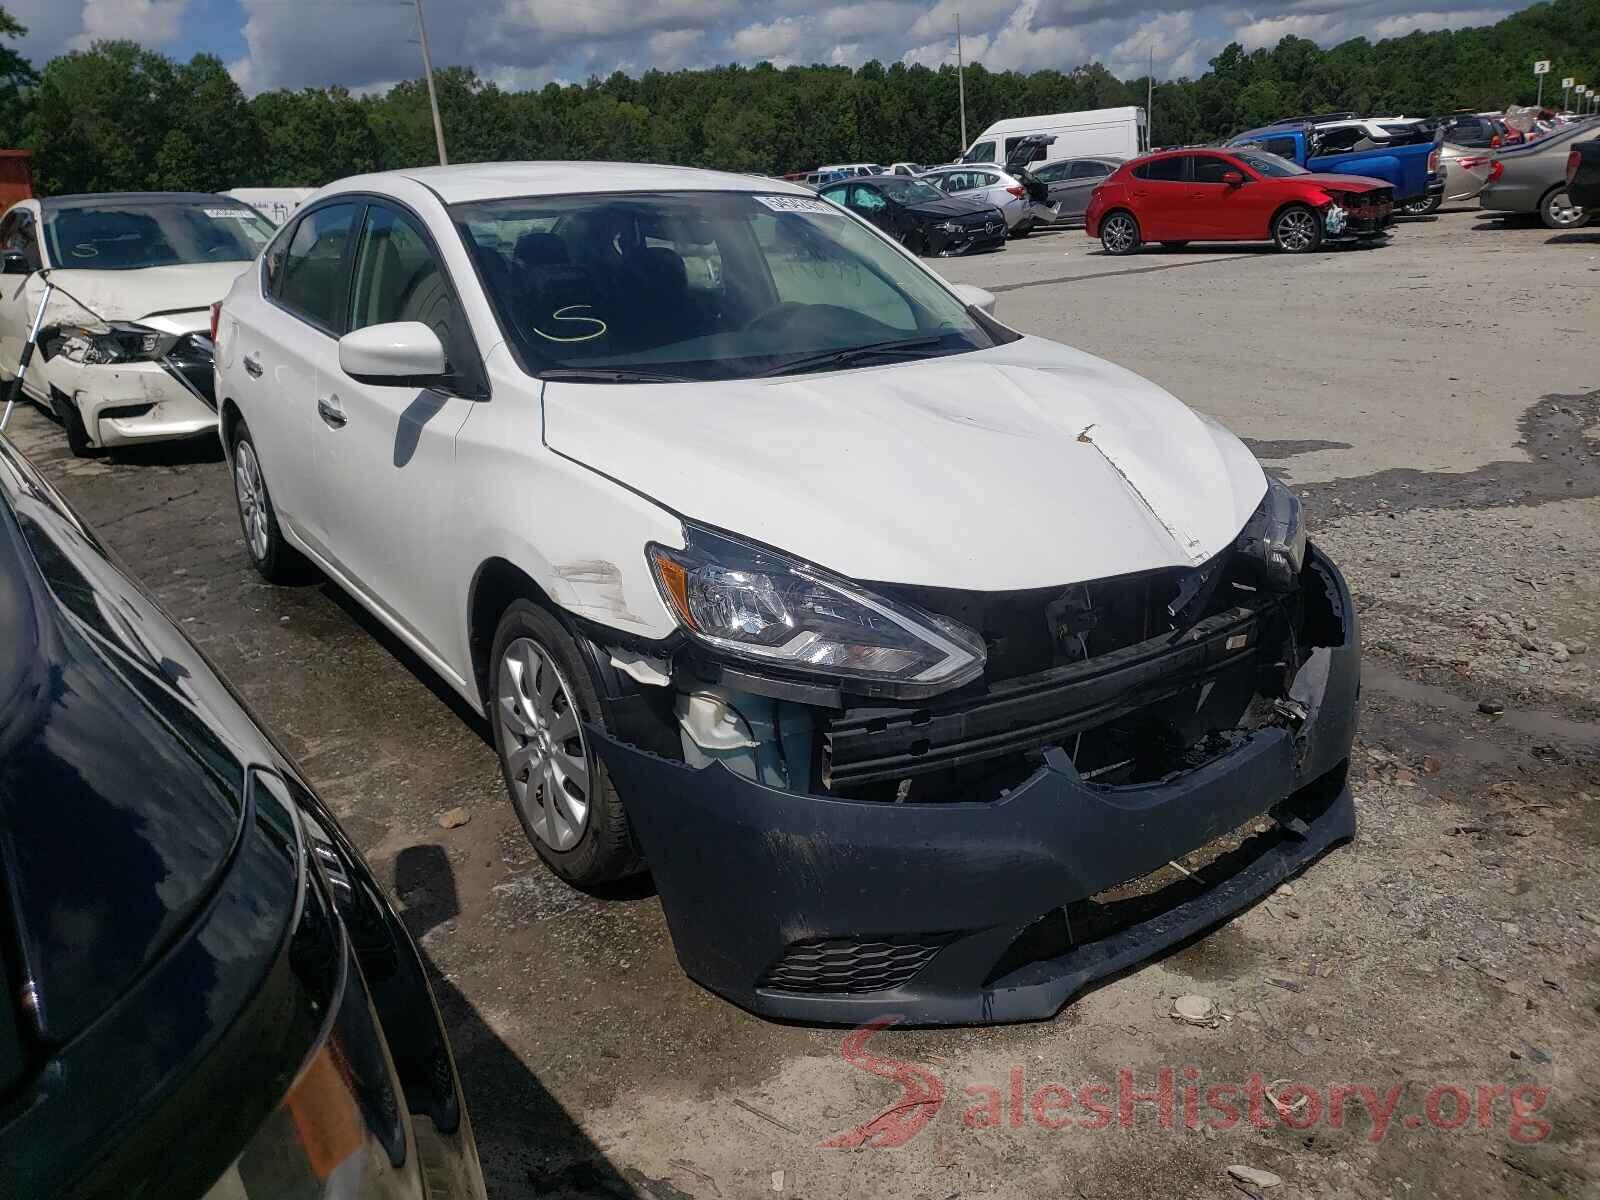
point(1182, 196)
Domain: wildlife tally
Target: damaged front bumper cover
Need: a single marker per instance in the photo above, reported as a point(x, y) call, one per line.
point(832, 910)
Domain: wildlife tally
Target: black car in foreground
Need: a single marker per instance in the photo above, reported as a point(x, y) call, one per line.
point(1583, 175)
point(205, 992)
point(921, 217)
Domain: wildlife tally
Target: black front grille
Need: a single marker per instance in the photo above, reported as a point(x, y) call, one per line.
point(844, 965)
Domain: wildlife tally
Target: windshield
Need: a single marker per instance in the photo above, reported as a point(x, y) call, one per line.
point(127, 235)
point(1268, 164)
point(909, 191)
point(702, 285)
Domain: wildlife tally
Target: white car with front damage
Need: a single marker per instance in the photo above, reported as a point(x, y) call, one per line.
point(128, 280)
point(891, 639)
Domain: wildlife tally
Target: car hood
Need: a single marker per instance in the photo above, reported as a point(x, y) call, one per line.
point(173, 299)
point(950, 206)
point(1343, 183)
point(1025, 465)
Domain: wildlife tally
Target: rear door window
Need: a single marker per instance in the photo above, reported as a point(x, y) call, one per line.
point(309, 281)
point(1090, 169)
point(1282, 146)
point(1163, 170)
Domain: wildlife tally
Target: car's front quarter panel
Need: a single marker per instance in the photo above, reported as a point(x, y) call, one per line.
point(579, 535)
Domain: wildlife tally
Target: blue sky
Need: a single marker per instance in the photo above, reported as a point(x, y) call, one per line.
point(365, 44)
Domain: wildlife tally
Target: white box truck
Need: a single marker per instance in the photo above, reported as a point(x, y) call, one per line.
point(1099, 132)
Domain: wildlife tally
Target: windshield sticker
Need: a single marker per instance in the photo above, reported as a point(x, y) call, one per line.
point(798, 204)
point(238, 214)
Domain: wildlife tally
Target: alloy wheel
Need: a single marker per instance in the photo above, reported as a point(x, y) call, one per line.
point(252, 496)
point(1119, 233)
point(1297, 230)
point(541, 737)
point(1562, 210)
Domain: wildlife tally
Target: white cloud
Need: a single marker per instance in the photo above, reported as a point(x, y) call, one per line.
point(152, 22)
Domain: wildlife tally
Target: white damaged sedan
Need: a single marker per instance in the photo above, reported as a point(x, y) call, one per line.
point(891, 639)
point(124, 346)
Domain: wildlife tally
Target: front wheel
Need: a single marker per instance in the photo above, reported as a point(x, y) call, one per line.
point(1557, 210)
point(1119, 234)
point(541, 696)
point(1297, 230)
point(72, 421)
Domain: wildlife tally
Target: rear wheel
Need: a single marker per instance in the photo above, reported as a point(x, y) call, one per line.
point(1557, 210)
point(540, 699)
point(1422, 208)
point(1297, 230)
point(270, 553)
point(1119, 233)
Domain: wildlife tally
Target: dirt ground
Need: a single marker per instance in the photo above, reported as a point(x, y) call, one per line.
point(1438, 400)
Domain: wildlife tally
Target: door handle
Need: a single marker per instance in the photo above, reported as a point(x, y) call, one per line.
point(252, 366)
point(328, 409)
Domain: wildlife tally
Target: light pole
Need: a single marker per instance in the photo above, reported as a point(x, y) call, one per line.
point(433, 97)
point(961, 84)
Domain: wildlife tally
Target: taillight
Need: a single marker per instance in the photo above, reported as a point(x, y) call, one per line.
point(1495, 142)
point(1495, 171)
point(1433, 163)
point(1572, 165)
point(216, 318)
point(1019, 191)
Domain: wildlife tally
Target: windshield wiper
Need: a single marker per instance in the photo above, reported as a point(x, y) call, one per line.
point(610, 375)
point(850, 354)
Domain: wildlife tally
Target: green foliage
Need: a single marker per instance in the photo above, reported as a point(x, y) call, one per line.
point(118, 116)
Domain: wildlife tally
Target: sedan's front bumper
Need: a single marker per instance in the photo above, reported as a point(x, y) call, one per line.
point(825, 909)
point(129, 403)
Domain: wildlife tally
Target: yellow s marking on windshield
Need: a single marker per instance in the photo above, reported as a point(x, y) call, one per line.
point(559, 315)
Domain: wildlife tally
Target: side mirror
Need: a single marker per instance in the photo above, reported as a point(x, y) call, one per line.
point(400, 353)
point(1233, 178)
point(14, 262)
point(974, 297)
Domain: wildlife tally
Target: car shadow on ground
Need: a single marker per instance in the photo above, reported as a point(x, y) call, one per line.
point(1589, 236)
point(518, 1123)
point(185, 452)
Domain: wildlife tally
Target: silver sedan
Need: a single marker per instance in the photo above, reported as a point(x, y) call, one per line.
point(1533, 178)
point(993, 186)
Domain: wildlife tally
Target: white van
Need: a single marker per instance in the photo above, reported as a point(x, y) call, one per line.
point(1119, 132)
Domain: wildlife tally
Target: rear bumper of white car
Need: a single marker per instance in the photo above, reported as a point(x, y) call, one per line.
point(128, 403)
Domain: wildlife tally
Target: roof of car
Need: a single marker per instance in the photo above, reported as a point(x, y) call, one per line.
point(504, 180)
point(96, 199)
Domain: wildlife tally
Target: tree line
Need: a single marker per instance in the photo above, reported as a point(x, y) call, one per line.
point(122, 117)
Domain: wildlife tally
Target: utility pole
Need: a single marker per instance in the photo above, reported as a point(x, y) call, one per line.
point(1150, 101)
point(433, 97)
point(961, 84)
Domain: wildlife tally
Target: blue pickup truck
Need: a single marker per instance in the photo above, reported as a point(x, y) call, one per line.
point(1411, 170)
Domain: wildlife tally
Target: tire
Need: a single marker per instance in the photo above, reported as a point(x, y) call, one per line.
point(1173, 245)
point(1557, 211)
point(270, 554)
point(1119, 233)
point(1297, 230)
point(1422, 208)
point(540, 696)
point(72, 421)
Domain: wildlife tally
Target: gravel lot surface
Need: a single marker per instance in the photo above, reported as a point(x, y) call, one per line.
point(1438, 400)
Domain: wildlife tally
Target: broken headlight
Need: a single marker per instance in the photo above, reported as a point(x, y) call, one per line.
point(1274, 539)
point(764, 607)
point(116, 343)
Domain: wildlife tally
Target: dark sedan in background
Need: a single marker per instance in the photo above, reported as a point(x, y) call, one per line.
point(1070, 182)
point(205, 992)
point(920, 217)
